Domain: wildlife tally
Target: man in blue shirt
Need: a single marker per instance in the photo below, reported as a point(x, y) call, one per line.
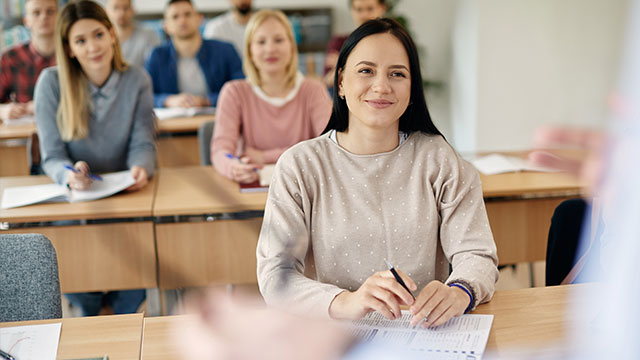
point(189, 71)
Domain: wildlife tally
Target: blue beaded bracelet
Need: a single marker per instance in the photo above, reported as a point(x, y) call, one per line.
point(468, 293)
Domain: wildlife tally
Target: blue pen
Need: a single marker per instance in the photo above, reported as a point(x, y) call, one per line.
point(91, 176)
point(233, 157)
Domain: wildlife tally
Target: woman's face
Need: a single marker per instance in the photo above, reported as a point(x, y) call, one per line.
point(91, 43)
point(271, 48)
point(376, 82)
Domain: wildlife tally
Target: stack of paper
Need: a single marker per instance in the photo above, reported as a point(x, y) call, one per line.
point(498, 164)
point(174, 112)
point(32, 342)
point(26, 195)
point(463, 337)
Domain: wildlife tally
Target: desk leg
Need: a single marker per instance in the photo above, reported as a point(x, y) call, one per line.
point(13, 158)
point(178, 151)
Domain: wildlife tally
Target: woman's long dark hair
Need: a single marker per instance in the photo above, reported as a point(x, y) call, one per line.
point(416, 117)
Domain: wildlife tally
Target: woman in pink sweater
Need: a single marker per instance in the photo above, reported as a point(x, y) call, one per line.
point(274, 108)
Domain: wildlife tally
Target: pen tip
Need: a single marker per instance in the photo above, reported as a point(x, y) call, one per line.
point(388, 264)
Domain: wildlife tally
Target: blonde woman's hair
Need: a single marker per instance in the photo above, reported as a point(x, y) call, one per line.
point(250, 69)
point(73, 110)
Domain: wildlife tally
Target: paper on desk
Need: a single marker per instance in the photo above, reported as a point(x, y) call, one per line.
point(26, 195)
point(463, 337)
point(266, 173)
point(174, 112)
point(31, 342)
point(30, 119)
point(111, 183)
point(497, 164)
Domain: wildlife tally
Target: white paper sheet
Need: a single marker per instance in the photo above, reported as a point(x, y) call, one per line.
point(32, 342)
point(497, 164)
point(26, 195)
point(174, 112)
point(111, 183)
point(463, 337)
point(266, 173)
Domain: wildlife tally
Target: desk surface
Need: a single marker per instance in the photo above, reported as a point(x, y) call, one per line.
point(529, 184)
point(21, 131)
point(182, 124)
point(119, 336)
point(123, 205)
point(523, 319)
point(201, 190)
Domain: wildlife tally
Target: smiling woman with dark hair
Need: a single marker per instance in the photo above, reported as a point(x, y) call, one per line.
point(381, 183)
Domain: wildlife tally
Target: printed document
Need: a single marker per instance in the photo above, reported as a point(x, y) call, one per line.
point(463, 337)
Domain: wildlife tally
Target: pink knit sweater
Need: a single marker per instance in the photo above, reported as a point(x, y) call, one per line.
point(242, 114)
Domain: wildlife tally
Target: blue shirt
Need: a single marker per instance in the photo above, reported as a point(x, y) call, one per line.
point(121, 125)
point(218, 60)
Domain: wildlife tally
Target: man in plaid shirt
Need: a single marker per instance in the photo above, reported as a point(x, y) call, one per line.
point(20, 65)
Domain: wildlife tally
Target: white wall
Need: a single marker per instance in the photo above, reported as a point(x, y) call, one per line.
point(542, 62)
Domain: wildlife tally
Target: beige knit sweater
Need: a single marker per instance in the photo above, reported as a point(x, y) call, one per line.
point(332, 217)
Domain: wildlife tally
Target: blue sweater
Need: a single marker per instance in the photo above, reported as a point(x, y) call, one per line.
point(218, 60)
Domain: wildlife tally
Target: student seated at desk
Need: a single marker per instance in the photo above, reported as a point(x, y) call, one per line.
point(94, 113)
point(21, 65)
point(273, 109)
point(188, 71)
point(380, 183)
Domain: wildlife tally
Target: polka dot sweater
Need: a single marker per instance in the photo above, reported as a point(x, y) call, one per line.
point(333, 217)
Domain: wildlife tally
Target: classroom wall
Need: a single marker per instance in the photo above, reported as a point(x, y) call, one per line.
point(537, 62)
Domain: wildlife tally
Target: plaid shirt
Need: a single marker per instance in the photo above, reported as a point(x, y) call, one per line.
point(20, 66)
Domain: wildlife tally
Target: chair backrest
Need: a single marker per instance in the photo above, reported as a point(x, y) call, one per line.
point(29, 281)
point(205, 132)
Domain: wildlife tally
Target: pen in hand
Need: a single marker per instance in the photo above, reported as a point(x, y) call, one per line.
point(90, 176)
point(398, 278)
point(233, 157)
point(6, 356)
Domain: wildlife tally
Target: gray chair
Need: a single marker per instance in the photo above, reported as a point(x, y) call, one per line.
point(205, 132)
point(29, 281)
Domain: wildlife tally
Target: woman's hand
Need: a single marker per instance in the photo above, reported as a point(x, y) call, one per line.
point(255, 156)
point(141, 177)
point(437, 303)
point(244, 171)
point(79, 180)
point(380, 292)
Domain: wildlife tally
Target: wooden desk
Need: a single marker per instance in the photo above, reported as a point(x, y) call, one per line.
point(178, 140)
point(523, 320)
point(106, 244)
point(201, 234)
point(520, 206)
point(13, 149)
point(119, 336)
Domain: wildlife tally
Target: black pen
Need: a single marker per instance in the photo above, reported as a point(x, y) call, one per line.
point(6, 356)
point(398, 278)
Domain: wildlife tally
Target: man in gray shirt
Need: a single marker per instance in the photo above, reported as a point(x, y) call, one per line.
point(136, 42)
point(230, 26)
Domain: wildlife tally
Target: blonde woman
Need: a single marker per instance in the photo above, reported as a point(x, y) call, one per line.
point(94, 114)
point(273, 109)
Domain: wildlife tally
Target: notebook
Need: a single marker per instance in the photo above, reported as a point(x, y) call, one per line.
point(463, 337)
point(26, 195)
point(261, 184)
